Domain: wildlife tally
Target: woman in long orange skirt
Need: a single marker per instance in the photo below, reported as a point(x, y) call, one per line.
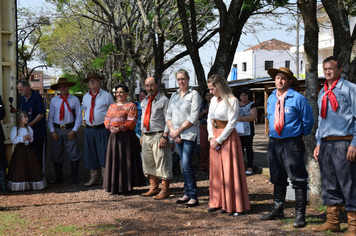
point(228, 187)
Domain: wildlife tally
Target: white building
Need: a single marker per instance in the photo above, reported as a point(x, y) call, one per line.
point(326, 38)
point(253, 63)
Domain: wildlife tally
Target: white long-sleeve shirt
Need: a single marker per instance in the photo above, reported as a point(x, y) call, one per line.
point(17, 137)
point(54, 110)
point(221, 111)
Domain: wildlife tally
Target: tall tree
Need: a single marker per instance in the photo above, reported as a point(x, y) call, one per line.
point(339, 12)
point(308, 11)
point(29, 36)
point(232, 17)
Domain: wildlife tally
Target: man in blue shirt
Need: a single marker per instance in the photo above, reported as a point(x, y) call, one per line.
point(290, 116)
point(32, 103)
point(336, 146)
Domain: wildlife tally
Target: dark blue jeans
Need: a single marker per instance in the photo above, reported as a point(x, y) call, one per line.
point(186, 153)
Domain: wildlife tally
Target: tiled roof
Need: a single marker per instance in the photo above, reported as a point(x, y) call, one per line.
point(272, 44)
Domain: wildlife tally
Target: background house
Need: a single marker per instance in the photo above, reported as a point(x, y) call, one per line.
point(253, 62)
point(326, 38)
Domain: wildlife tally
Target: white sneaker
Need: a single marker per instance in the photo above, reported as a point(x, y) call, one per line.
point(249, 172)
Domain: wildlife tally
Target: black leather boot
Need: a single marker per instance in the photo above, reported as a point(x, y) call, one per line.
point(300, 207)
point(3, 181)
point(279, 196)
point(59, 173)
point(74, 172)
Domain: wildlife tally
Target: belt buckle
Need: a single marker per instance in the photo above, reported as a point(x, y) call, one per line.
point(62, 127)
point(215, 124)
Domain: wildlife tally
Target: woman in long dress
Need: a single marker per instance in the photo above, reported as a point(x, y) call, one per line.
point(123, 168)
point(228, 187)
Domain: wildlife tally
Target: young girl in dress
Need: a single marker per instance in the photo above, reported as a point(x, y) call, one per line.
point(24, 171)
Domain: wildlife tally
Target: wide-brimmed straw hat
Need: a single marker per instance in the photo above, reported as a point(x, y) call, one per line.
point(62, 81)
point(93, 76)
point(273, 71)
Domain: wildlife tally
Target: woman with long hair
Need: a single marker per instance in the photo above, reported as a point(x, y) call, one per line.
point(228, 187)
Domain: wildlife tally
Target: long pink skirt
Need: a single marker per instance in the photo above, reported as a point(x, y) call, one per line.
point(228, 187)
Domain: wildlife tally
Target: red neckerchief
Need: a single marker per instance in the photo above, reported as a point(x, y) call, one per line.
point(146, 121)
point(61, 111)
point(329, 94)
point(91, 114)
point(279, 112)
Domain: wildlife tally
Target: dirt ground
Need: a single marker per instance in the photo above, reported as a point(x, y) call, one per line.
point(92, 211)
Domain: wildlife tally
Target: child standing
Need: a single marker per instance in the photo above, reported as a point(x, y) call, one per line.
point(24, 171)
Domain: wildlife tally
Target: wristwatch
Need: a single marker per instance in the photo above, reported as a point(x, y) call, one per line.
point(165, 137)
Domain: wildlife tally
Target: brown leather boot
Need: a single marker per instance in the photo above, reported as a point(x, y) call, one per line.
point(154, 182)
point(332, 220)
point(351, 216)
point(164, 190)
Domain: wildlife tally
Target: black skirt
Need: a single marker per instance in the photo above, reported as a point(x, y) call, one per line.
point(123, 168)
point(25, 171)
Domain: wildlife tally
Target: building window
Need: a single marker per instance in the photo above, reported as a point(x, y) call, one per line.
point(268, 64)
point(301, 65)
point(244, 66)
point(287, 64)
point(35, 78)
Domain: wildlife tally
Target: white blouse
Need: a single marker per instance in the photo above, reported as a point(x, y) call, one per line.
point(18, 138)
point(221, 111)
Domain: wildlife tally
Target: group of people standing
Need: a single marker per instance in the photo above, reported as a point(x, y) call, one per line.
point(112, 146)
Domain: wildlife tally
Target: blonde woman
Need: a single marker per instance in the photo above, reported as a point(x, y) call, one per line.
point(228, 187)
point(182, 121)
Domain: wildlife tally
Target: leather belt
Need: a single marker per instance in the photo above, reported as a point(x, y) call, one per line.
point(333, 138)
point(153, 133)
point(278, 139)
point(102, 126)
point(219, 124)
point(64, 126)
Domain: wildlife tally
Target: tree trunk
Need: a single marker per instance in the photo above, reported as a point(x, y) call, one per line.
point(343, 40)
point(308, 11)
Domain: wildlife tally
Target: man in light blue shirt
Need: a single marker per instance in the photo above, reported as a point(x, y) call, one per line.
point(290, 116)
point(336, 146)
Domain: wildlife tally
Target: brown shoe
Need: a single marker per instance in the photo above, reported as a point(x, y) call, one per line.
point(164, 190)
point(154, 181)
point(351, 216)
point(332, 220)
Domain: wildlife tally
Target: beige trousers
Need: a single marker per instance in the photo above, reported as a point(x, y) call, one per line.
point(156, 161)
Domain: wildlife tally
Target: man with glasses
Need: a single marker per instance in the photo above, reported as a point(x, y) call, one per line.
point(95, 103)
point(32, 103)
point(64, 120)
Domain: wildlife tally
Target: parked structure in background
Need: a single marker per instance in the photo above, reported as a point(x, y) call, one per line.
point(254, 62)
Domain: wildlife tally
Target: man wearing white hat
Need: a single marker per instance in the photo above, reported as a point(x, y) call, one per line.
point(64, 120)
point(290, 116)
